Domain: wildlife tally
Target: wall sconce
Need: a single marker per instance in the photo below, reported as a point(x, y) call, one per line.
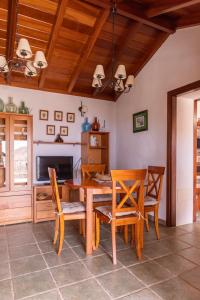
point(83, 109)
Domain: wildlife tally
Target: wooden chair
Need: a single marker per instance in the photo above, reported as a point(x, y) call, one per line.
point(153, 194)
point(65, 211)
point(121, 214)
point(89, 171)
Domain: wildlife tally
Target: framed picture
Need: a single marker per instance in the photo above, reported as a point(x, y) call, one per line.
point(51, 129)
point(140, 121)
point(64, 130)
point(58, 115)
point(43, 115)
point(71, 117)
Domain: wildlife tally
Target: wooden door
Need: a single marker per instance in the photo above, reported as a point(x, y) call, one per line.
point(4, 153)
point(21, 152)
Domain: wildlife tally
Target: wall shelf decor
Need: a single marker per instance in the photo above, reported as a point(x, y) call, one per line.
point(140, 121)
point(55, 143)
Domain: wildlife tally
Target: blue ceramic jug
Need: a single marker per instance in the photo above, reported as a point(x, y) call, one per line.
point(86, 126)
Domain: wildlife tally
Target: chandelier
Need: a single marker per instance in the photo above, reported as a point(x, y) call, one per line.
point(22, 62)
point(117, 78)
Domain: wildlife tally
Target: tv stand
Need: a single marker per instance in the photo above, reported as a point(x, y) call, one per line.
point(43, 208)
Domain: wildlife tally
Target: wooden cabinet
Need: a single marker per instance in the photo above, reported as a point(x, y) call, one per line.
point(43, 209)
point(95, 148)
point(15, 168)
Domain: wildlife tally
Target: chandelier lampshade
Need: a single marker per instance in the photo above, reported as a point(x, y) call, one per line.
point(96, 83)
point(30, 70)
point(24, 49)
point(121, 72)
point(129, 82)
point(40, 60)
point(3, 65)
point(99, 72)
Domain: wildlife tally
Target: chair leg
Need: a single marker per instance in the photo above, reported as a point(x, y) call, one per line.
point(84, 227)
point(113, 231)
point(132, 234)
point(137, 240)
point(97, 238)
point(62, 233)
point(80, 227)
point(126, 234)
point(156, 222)
point(56, 229)
point(146, 221)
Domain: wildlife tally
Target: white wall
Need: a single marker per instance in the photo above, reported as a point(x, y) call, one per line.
point(184, 163)
point(36, 100)
point(175, 64)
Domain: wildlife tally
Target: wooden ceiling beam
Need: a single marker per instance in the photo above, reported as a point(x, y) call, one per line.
point(184, 22)
point(60, 13)
point(88, 48)
point(128, 35)
point(137, 13)
point(162, 8)
point(11, 31)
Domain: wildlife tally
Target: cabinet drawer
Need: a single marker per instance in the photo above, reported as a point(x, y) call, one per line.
point(44, 205)
point(45, 214)
point(15, 214)
point(15, 201)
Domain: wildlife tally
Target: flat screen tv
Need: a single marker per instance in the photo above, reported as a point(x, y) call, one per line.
point(62, 164)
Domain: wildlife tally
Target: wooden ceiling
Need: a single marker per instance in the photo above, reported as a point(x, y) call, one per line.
point(77, 34)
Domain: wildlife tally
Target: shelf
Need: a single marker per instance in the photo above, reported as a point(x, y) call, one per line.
point(101, 148)
point(54, 143)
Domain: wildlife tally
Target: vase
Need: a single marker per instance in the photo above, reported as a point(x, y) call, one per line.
point(86, 126)
point(10, 106)
point(1, 105)
point(95, 125)
point(23, 109)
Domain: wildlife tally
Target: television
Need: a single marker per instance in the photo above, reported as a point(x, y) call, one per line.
point(62, 164)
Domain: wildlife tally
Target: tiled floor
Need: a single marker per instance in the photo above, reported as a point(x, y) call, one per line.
point(30, 268)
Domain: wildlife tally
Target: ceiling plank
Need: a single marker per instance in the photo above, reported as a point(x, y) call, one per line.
point(60, 13)
point(137, 13)
point(128, 35)
point(163, 8)
point(184, 22)
point(11, 31)
point(88, 48)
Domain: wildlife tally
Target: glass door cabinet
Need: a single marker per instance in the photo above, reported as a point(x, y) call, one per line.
point(4, 153)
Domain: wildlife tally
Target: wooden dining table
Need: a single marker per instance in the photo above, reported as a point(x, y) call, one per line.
point(88, 188)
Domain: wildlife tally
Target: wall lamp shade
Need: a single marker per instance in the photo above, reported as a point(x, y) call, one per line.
point(119, 86)
point(3, 65)
point(96, 83)
point(40, 60)
point(121, 72)
point(24, 49)
point(30, 70)
point(129, 82)
point(99, 72)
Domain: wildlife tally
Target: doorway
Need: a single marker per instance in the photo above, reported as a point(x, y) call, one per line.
point(172, 151)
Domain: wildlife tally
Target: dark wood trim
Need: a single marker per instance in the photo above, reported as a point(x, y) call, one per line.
point(194, 160)
point(159, 9)
point(53, 37)
point(171, 149)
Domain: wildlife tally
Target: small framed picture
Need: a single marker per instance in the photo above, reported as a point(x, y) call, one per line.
point(71, 117)
point(64, 130)
point(51, 129)
point(58, 115)
point(140, 121)
point(43, 115)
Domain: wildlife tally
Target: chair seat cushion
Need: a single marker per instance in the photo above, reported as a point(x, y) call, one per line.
point(102, 198)
point(72, 207)
point(107, 211)
point(150, 201)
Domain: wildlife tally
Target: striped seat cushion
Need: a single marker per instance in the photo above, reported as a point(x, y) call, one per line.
point(107, 211)
point(150, 201)
point(102, 198)
point(72, 207)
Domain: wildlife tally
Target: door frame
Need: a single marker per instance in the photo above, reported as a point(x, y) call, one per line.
point(171, 149)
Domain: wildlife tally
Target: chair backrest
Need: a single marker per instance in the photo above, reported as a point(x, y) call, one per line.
point(155, 180)
point(129, 182)
point(91, 169)
point(55, 192)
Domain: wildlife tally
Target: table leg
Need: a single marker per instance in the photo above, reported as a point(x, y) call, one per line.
point(89, 221)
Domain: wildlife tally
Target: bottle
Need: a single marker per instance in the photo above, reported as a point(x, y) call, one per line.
point(23, 109)
point(1, 105)
point(10, 106)
point(95, 125)
point(86, 126)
